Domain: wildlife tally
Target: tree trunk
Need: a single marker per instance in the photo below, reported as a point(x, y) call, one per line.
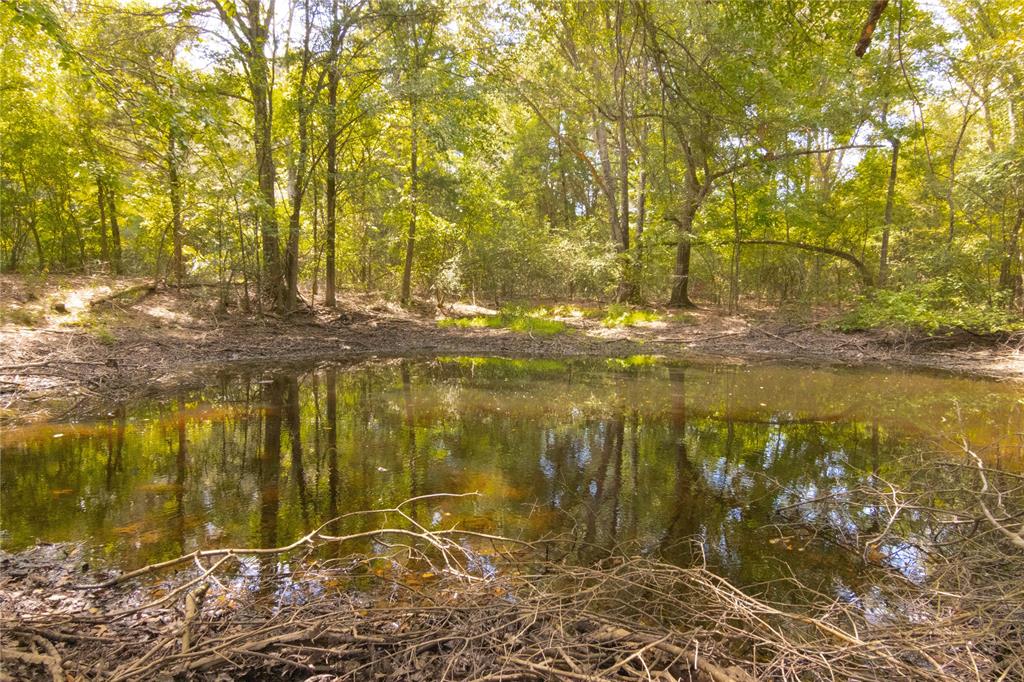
point(115, 232)
point(32, 220)
point(1007, 282)
point(79, 235)
point(862, 269)
point(38, 241)
point(295, 220)
point(413, 173)
point(950, 195)
point(627, 285)
point(609, 189)
point(628, 291)
point(101, 202)
point(890, 196)
point(174, 184)
point(259, 87)
point(641, 224)
point(734, 264)
point(680, 297)
point(332, 187)
point(298, 187)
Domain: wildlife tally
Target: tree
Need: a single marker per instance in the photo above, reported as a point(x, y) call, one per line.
point(248, 24)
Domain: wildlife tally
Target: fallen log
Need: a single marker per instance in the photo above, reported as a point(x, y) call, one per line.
point(148, 288)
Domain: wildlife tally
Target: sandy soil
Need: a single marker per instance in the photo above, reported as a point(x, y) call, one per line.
point(63, 346)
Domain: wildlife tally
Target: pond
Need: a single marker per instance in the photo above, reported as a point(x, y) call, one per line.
point(687, 461)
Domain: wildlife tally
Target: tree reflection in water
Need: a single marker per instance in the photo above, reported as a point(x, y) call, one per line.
point(693, 463)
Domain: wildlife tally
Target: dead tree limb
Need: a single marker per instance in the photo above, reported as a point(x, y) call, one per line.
point(877, 7)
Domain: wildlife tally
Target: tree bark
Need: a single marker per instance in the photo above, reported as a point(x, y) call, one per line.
point(874, 14)
point(32, 219)
point(734, 264)
point(950, 195)
point(627, 283)
point(604, 154)
point(115, 232)
point(295, 218)
point(259, 88)
point(865, 274)
point(174, 184)
point(890, 197)
point(1007, 282)
point(410, 241)
point(104, 243)
point(298, 187)
point(680, 297)
point(331, 191)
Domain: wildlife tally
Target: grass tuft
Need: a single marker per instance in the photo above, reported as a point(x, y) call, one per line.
point(513, 318)
point(618, 315)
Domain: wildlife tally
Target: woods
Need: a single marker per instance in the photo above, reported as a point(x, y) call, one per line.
point(726, 153)
point(511, 339)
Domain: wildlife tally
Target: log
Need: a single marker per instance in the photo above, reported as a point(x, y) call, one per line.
point(148, 288)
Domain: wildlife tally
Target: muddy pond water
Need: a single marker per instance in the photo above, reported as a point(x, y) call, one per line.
point(692, 462)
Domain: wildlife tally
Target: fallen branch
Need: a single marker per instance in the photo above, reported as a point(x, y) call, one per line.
point(148, 288)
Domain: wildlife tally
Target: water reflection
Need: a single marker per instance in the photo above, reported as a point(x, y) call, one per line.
point(692, 463)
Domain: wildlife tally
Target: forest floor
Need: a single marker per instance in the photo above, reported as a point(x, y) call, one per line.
point(66, 340)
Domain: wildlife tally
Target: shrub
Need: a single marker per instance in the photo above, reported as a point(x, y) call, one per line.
point(618, 315)
point(931, 307)
point(514, 318)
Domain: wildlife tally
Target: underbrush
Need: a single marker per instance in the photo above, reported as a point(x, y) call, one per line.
point(619, 315)
point(514, 318)
point(23, 317)
point(931, 309)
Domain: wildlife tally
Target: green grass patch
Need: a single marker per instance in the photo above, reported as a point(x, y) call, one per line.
point(513, 318)
point(618, 315)
point(560, 310)
point(684, 318)
point(466, 322)
point(23, 317)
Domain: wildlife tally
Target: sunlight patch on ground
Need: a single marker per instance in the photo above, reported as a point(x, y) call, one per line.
point(164, 315)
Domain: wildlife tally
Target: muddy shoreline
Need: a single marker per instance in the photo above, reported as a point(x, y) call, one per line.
point(167, 339)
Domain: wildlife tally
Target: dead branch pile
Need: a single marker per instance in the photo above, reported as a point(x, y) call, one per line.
point(434, 605)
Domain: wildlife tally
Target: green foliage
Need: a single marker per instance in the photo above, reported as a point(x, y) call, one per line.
point(932, 307)
point(515, 318)
point(619, 315)
point(684, 318)
point(21, 316)
point(632, 362)
point(107, 117)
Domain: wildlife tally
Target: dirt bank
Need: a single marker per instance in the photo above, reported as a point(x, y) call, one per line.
point(65, 343)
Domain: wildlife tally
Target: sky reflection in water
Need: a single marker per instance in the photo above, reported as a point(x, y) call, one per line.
point(690, 462)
